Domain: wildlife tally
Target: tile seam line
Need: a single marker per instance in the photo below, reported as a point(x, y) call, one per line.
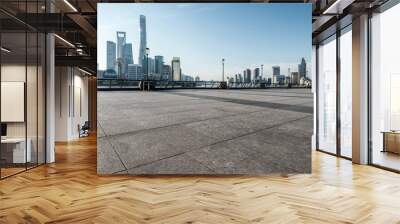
point(113, 148)
point(200, 120)
point(219, 142)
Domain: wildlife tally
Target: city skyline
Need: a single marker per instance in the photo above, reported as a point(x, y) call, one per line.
point(209, 68)
point(120, 54)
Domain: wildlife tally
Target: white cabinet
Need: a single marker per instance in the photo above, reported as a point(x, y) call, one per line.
point(17, 145)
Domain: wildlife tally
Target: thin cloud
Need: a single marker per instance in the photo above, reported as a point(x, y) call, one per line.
point(184, 5)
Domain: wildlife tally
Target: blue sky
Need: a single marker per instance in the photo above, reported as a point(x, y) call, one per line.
point(246, 35)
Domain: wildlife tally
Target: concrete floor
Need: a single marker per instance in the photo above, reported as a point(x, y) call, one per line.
point(205, 131)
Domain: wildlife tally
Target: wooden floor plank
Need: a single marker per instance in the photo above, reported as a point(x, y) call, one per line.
point(70, 191)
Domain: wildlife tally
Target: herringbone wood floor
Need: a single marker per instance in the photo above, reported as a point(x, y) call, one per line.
point(69, 191)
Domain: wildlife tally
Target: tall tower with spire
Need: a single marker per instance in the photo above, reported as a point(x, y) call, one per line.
point(143, 39)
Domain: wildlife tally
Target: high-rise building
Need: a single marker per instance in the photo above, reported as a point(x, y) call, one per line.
point(256, 73)
point(276, 75)
point(159, 63)
point(166, 73)
point(295, 78)
point(111, 55)
point(135, 72)
point(302, 68)
point(176, 69)
point(247, 75)
point(121, 40)
point(127, 53)
point(152, 67)
point(127, 57)
point(121, 68)
point(143, 39)
point(148, 66)
point(276, 70)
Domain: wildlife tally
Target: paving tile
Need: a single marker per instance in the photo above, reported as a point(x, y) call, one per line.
point(152, 145)
point(299, 128)
point(206, 132)
point(180, 164)
point(251, 167)
point(120, 126)
point(108, 161)
point(283, 157)
point(219, 155)
point(219, 129)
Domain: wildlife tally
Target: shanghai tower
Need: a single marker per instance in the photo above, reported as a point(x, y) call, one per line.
point(143, 39)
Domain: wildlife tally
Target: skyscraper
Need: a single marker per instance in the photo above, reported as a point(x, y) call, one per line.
point(256, 73)
point(127, 58)
point(244, 75)
point(135, 72)
point(276, 70)
point(166, 73)
point(295, 78)
point(148, 66)
point(111, 55)
point(159, 63)
point(127, 54)
point(276, 73)
point(121, 40)
point(176, 69)
point(302, 68)
point(121, 68)
point(143, 39)
point(152, 65)
point(247, 75)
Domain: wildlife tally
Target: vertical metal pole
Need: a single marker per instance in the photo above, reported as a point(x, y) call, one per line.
point(223, 65)
point(37, 90)
point(338, 110)
point(317, 96)
point(26, 87)
point(369, 96)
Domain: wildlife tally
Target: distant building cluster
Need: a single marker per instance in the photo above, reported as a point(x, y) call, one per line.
point(120, 64)
point(292, 78)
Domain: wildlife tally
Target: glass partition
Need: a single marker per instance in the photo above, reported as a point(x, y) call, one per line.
point(346, 92)
point(385, 89)
point(327, 95)
point(14, 153)
point(22, 77)
point(31, 97)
